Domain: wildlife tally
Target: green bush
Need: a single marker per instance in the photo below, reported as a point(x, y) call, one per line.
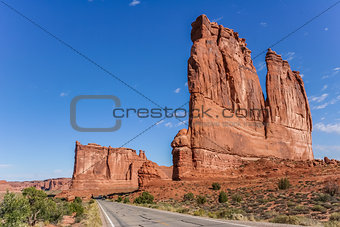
point(199, 212)
point(36, 199)
point(34, 206)
point(293, 220)
point(284, 219)
point(126, 200)
point(119, 199)
point(76, 207)
point(200, 199)
point(319, 208)
point(144, 198)
point(332, 188)
point(222, 197)
point(78, 200)
point(335, 217)
point(237, 198)
point(323, 197)
point(51, 211)
point(14, 210)
point(283, 183)
point(216, 186)
point(91, 201)
point(188, 196)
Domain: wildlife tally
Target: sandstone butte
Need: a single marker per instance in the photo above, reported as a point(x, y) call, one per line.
point(222, 77)
point(100, 170)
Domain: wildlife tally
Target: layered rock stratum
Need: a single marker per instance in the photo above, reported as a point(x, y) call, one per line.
point(230, 119)
point(100, 170)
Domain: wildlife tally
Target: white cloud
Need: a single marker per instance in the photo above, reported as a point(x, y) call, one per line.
point(134, 3)
point(324, 87)
point(326, 29)
point(63, 94)
point(290, 56)
point(329, 128)
point(186, 84)
point(321, 98)
point(336, 69)
point(5, 166)
point(332, 151)
point(57, 171)
point(160, 122)
point(319, 107)
point(261, 66)
point(177, 90)
point(168, 125)
point(181, 123)
point(302, 75)
point(217, 19)
point(263, 24)
point(318, 98)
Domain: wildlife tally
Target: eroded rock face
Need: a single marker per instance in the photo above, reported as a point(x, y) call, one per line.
point(230, 118)
point(105, 170)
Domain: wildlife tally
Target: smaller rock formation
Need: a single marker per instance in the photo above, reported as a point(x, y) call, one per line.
point(100, 170)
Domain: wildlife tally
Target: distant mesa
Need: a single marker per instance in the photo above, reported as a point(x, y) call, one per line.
point(221, 75)
point(56, 184)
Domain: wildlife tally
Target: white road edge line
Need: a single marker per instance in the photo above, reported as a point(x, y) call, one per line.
point(107, 216)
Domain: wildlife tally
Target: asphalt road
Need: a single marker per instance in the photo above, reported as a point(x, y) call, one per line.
point(118, 214)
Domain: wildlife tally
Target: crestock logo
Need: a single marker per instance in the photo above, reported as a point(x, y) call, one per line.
point(73, 113)
point(118, 113)
point(182, 113)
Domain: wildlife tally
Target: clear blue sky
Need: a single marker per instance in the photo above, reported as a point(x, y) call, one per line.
point(146, 43)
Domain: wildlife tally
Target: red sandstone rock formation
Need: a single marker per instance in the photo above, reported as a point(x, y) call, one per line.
point(240, 123)
point(104, 170)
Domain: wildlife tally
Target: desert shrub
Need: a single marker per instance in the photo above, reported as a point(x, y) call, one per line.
point(283, 183)
point(119, 199)
point(91, 201)
point(323, 197)
point(284, 219)
point(236, 198)
point(78, 200)
point(199, 212)
point(77, 207)
point(14, 210)
point(331, 188)
point(144, 198)
point(183, 210)
point(51, 211)
point(231, 213)
point(293, 220)
point(188, 196)
point(200, 199)
point(335, 217)
point(222, 197)
point(126, 200)
point(216, 186)
point(36, 199)
point(332, 224)
point(319, 208)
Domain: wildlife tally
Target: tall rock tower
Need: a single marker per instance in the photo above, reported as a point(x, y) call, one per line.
point(230, 118)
